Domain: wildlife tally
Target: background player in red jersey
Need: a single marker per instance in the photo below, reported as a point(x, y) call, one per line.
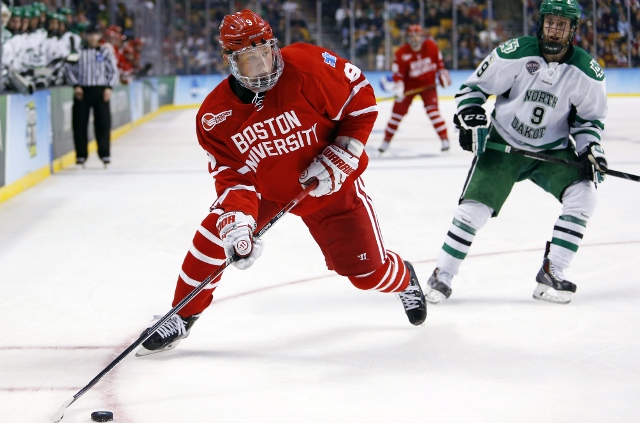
point(415, 68)
point(280, 121)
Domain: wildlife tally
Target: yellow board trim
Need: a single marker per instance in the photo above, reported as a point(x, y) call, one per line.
point(69, 159)
point(24, 183)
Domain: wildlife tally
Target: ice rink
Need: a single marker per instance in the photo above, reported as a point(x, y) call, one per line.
point(90, 255)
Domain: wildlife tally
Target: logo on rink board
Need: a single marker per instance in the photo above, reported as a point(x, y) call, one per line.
point(209, 120)
point(30, 111)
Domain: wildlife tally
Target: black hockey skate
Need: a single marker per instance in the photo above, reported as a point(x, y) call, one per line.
point(413, 299)
point(437, 290)
point(168, 336)
point(548, 278)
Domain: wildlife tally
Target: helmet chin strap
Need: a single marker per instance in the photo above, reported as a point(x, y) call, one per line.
point(553, 48)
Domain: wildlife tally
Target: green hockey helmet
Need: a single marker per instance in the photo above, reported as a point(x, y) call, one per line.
point(28, 13)
point(17, 11)
point(565, 8)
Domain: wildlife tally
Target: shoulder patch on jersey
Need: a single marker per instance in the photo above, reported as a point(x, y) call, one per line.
point(209, 120)
point(329, 59)
point(532, 67)
point(509, 46)
point(406, 57)
point(587, 64)
point(518, 48)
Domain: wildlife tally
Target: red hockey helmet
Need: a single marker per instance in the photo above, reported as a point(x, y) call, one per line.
point(415, 36)
point(414, 29)
point(243, 29)
point(245, 35)
point(114, 28)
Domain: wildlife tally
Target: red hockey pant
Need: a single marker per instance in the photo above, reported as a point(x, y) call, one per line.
point(347, 232)
point(430, 100)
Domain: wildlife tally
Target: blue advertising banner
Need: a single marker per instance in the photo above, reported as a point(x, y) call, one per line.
point(3, 135)
point(194, 89)
point(28, 146)
point(166, 86)
point(136, 99)
point(151, 96)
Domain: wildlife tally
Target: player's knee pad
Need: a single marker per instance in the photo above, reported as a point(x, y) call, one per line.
point(580, 200)
point(473, 213)
point(392, 276)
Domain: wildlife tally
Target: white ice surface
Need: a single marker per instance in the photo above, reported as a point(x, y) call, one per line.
point(88, 256)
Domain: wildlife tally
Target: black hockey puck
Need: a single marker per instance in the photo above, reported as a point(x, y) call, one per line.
point(102, 416)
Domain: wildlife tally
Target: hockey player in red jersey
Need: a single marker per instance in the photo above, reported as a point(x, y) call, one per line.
point(280, 121)
point(416, 66)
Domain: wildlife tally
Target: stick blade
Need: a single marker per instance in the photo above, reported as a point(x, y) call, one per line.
point(60, 413)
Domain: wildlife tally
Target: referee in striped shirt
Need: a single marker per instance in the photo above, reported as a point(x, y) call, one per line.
point(92, 77)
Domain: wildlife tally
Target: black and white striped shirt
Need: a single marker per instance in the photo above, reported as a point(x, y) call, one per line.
point(95, 67)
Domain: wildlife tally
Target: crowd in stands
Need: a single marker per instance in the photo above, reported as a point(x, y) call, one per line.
point(477, 35)
point(39, 39)
point(190, 43)
point(614, 31)
point(475, 39)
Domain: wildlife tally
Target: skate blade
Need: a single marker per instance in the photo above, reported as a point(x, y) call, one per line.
point(434, 296)
point(142, 351)
point(546, 293)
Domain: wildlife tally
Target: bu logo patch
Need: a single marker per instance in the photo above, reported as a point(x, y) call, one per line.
point(329, 59)
point(209, 120)
point(532, 67)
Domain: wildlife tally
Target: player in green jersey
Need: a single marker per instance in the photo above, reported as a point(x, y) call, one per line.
point(551, 98)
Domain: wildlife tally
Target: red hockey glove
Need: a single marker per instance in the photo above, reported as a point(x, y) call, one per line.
point(236, 232)
point(398, 91)
point(331, 169)
point(444, 78)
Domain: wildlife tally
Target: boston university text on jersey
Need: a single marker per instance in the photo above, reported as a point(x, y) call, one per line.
point(268, 130)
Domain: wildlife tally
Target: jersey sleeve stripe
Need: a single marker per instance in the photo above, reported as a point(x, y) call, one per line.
point(471, 101)
point(235, 188)
point(466, 89)
point(585, 131)
point(592, 122)
point(244, 170)
point(363, 111)
point(214, 173)
point(354, 91)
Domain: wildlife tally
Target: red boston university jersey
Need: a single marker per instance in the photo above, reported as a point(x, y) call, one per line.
point(259, 151)
point(417, 69)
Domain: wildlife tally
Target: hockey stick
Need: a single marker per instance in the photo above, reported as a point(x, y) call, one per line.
point(147, 333)
point(546, 158)
point(410, 92)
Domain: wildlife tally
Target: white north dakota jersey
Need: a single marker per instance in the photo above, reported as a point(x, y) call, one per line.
point(539, 104)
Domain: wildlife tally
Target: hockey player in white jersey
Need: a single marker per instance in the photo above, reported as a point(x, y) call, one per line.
point(550, 97)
